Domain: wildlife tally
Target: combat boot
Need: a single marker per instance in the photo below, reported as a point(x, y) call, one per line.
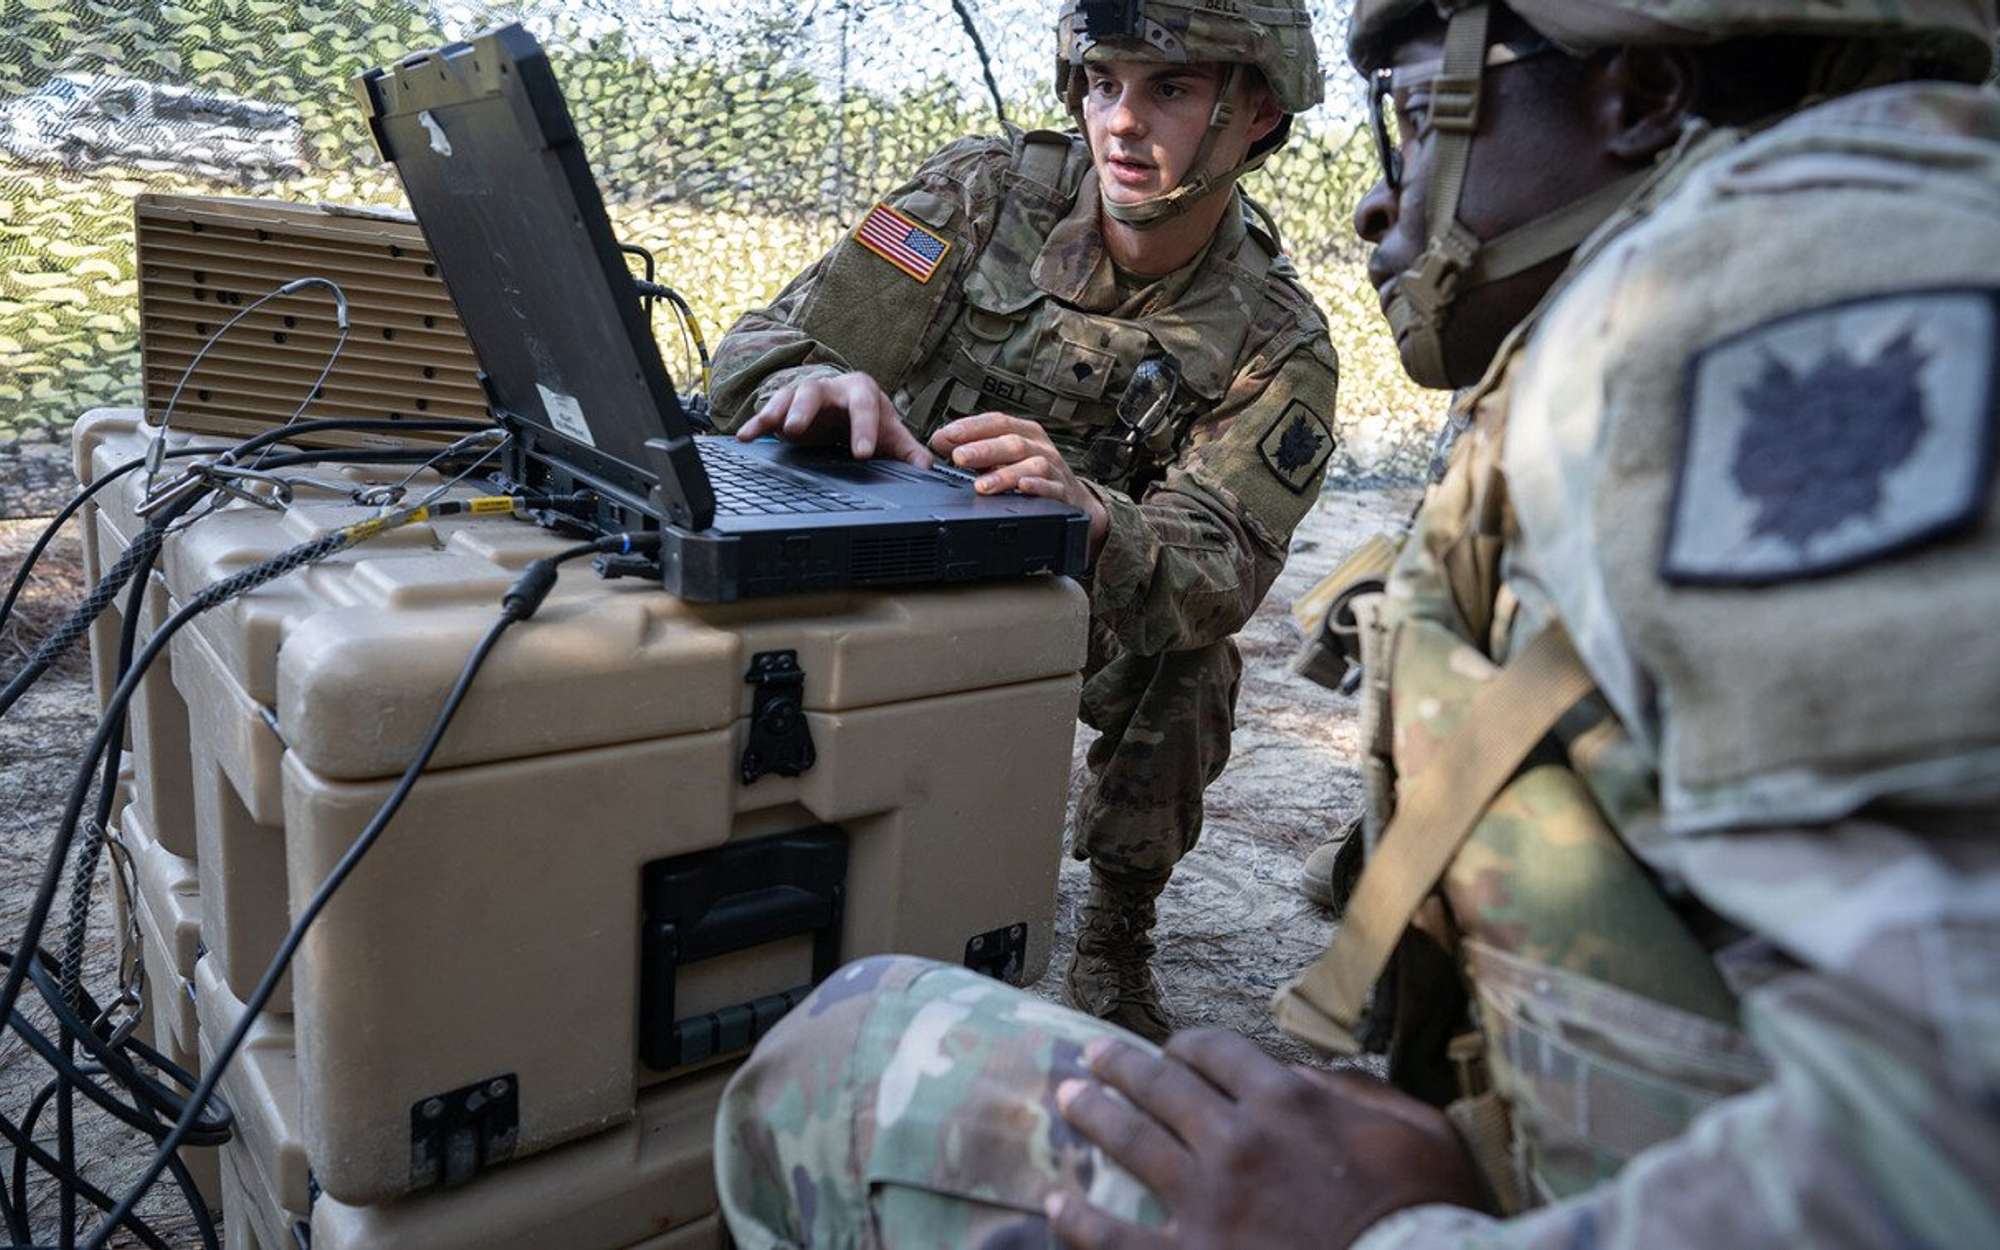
point(1330, 872)
point(1110, 976)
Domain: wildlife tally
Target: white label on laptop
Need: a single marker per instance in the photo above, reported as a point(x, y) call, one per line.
point(439, 144)
point(566, 415)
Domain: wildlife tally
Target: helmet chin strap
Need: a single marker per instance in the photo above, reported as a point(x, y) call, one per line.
point(1455, 260)
point(1198, 183)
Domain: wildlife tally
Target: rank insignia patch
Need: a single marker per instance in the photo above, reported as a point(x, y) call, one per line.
point(1296, 445)
point(1833, 438)
point(902, 242)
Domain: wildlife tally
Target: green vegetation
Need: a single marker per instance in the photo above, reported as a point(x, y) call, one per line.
point(735, 170)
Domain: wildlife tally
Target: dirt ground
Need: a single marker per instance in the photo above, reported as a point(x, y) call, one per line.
point(1232, 924)
point(39, 739)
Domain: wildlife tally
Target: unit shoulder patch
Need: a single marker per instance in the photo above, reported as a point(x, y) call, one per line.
point(905, 243)
point(1297, 445)
point(1835, 437)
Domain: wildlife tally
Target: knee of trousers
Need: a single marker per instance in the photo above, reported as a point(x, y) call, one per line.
point(1199, 684)
point(1163, 738)
point(853, 1091)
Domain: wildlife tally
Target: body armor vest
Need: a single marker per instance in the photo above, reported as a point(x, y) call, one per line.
point(1012, 347)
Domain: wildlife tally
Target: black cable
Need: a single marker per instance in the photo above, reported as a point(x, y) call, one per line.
point(154, 1097)
point(78, 622)
point(17, 1229)
point(220, 592)
point(70, 967)
point(230, 454)
point(54, 527)
point(67, 998)
point(521, 602)
point(149, 1095)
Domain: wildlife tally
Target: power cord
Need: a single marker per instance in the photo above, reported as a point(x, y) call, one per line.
point(230, 455)
point(21, 969)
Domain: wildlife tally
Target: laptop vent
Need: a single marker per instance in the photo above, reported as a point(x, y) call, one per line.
point(894, 559)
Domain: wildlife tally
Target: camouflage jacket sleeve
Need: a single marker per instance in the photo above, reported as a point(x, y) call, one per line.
point(1881, 1123)
point(958, 191)
point(1450, 566)
point(1187, 564)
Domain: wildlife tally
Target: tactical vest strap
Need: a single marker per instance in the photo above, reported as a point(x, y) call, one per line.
point(1437, 812)
point(1041, 161)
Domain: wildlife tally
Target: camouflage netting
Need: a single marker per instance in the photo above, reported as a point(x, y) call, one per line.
point(734, 138)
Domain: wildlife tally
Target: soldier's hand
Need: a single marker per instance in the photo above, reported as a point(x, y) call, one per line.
point(1246, 1151)
point(821, 411)
point(1013, 453)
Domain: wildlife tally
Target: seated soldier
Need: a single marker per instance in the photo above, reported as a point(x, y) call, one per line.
point(1104, 319)
point(1711, 963)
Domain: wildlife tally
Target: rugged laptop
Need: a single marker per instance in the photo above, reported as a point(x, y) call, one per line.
point(484, 145)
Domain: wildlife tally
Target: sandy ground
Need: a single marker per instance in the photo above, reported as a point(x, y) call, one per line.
point(1232, 924)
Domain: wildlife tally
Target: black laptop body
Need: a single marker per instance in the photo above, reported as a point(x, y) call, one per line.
point(483, 142)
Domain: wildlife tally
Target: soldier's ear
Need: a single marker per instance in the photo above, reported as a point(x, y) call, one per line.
point(1644, 98)
point(1262, 103)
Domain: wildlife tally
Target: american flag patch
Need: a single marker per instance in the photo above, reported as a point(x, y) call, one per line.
point(901, 242)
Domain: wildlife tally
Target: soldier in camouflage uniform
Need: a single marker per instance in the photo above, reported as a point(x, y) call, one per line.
point(1683, 746)
point(1120, 330)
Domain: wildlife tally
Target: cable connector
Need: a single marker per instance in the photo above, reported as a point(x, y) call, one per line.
point(524, 598)
point(646, 544)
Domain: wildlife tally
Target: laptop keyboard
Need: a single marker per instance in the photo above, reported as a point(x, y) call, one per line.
point(746, 486)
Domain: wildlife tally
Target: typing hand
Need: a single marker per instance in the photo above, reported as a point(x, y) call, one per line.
point(826, 410)
point(1013, 453)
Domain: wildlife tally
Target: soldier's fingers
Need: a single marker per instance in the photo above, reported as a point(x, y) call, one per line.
point(808, 398)
point(1229, 1061)
point(992, 452)
point(1044, 488)
point(978, 427)
point(766, 418)
point(998, 482)
point(864, 417)
point(1076, 1223)
point(897, 441)
point(1010, 476)
point(1139, 1143)
point(1162, 1087)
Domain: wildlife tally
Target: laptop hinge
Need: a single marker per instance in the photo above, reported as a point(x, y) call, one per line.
point(684, 498)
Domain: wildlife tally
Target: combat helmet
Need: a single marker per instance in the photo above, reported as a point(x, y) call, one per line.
point(1949, 37)
point(1275, 36)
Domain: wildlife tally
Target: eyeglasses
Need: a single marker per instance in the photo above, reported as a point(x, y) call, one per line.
point(1385, 120)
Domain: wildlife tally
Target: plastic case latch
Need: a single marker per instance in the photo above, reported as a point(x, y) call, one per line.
point(780, 740)
point(459, 1133)
point(999, 953)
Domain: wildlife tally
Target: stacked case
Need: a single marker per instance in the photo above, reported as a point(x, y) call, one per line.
point(514, 1020)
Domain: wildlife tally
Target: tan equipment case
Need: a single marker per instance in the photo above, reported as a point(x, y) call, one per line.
point(205, 259)
point(598, 894)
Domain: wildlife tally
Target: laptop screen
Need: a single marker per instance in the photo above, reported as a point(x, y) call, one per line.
point(494, 170)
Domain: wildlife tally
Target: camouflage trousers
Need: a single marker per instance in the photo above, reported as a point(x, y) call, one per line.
point(911, 1103)
point(1163, 725)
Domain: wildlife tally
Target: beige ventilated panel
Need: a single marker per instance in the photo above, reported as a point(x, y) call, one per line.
point(201, 260)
